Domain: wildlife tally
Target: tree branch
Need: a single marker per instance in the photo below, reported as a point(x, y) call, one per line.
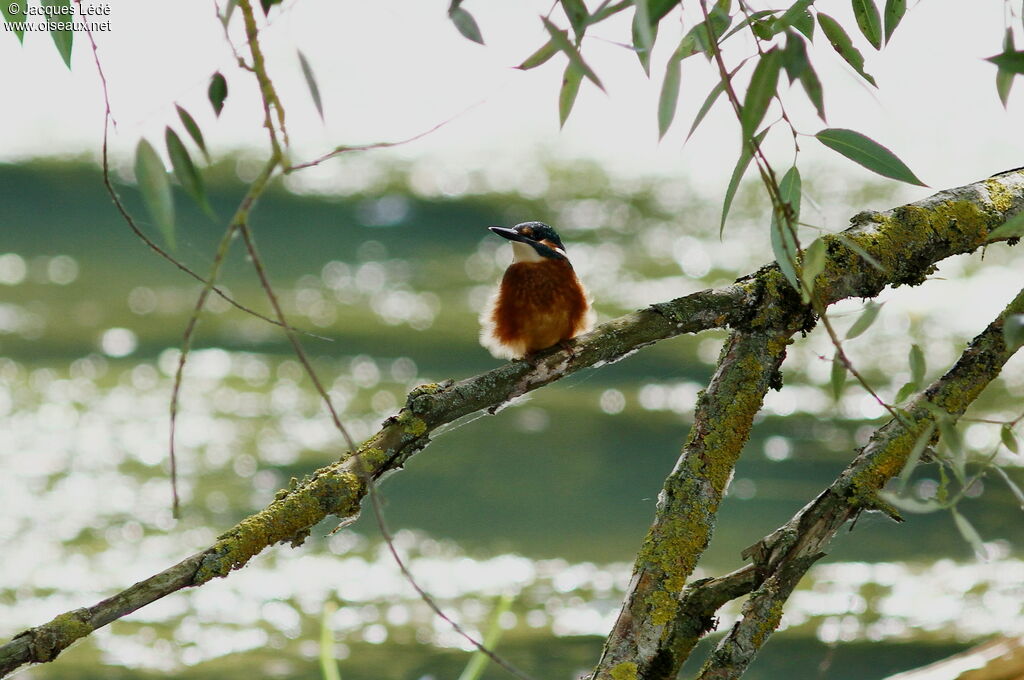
point(762, 308)
point(907, 242)
point(784, 556)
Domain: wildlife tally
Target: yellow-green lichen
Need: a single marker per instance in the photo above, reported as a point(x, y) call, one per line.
point(373, 456)
point(767, 624)
point(627, 670)
point(999, 195)
point(884, 465)
point(663, 606)
point(49, 640)
point(411, 424)
point(286, 519)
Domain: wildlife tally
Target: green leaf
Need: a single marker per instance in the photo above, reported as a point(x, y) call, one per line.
point(567, 95)
point(669, 95)
point(970, 534)
point(842, 44)
point(1012, 228)
point(561, 41)
point(869, 153)
point(915, 454)
point(794, 56)
point(910, 504)
point(894, 11)
point(864, 321)
point(1009, 61)
point(869, 21)
point(1004, 78)
point(18, 16)
point(815, 256)
point(712, 97)
point(186, 172)
point(905, 392)
point(762, 88)
point(783, 237)
point(812, 86)
point(643, 34)
point(837, 378)
point(155, 189)
point(918, 366)
point(314, 89)
point(746, 155)
point(328, 664)
point(62, 39)
point(267, 4)
point(577, 14)
point(1014, 489)
point(950, 436)
point(1009, 438)
point(1013, 331)
point(541, 56)
point(466, 24)
point(217, 92)
point(796, 12)
point(720, 20)
point(193, 130)
point(758, 19)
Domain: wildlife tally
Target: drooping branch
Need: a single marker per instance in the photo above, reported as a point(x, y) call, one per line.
point(762, 310)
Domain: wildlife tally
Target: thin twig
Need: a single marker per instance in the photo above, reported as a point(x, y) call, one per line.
point(240, 217)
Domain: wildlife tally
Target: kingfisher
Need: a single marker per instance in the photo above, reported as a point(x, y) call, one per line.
point(539, 302)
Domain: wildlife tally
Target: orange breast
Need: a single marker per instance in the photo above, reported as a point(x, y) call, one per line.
point(538, 305)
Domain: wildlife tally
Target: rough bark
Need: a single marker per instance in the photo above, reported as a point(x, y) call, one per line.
point(763, 311)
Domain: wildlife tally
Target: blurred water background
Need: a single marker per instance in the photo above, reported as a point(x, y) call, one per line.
point(547, 501)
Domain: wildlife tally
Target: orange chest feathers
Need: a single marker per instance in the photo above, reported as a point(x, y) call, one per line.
point(537, 306)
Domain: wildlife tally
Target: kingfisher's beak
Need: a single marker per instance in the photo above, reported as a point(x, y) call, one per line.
point(511, 235)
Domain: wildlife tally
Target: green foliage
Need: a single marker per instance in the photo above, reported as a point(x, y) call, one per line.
point(894, 11)
point(193, 130)
point(562, 43)
point(155, 189)
point(571, 80)
point(842, 44)
point(1013, 331)
point(314, 89)
point(1012, 228)
point(864, 321)
point(785, 218)
point(746, 155)
point(16, 16)
point(869, 153)
point(763, 85)
point(869, 21)
point(217, 92)
point(185, 170)
point(464, 22)
point(63, 39)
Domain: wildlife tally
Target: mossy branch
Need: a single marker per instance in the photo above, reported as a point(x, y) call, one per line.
point(763, 311)
point(910, 240)
point(784, 556)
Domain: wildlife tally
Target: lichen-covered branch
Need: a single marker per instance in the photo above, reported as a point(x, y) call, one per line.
point(909, 241)
point(782, 558)
point(762, 310)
